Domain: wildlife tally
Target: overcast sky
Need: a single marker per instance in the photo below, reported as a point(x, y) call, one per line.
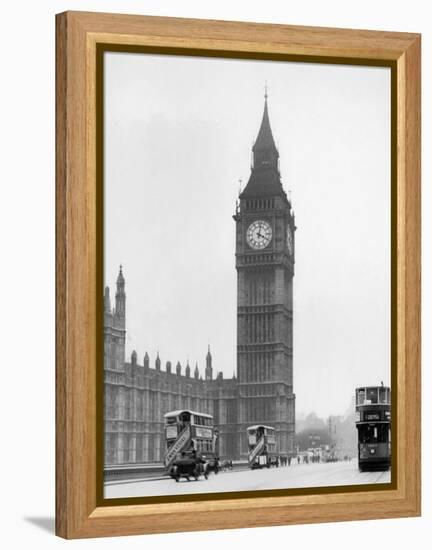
point(178, 137)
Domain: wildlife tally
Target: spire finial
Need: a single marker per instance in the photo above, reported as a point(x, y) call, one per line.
point(120, 277)
point(265, 91)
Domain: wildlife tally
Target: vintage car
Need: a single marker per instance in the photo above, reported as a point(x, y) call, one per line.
point(188, 467)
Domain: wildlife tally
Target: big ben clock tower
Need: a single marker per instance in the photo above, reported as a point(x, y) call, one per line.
point(265, 269)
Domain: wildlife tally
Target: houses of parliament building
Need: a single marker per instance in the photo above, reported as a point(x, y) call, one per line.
point(139, 391)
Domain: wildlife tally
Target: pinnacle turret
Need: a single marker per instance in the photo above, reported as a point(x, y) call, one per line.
point(107, 300)
point(208, 368)
point(120, 298)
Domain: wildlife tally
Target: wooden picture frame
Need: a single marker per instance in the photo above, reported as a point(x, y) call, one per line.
point(78, 411)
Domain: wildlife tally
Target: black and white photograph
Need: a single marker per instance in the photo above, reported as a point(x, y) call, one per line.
point(247, 275)
point(216, 275)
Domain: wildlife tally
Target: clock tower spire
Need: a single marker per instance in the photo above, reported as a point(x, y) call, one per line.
point(265, 153)
point(265, 177)
point(265, 270)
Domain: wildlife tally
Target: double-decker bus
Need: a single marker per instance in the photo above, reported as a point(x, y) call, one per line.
point(373, 422)
point(187, 431)
point(262, 447)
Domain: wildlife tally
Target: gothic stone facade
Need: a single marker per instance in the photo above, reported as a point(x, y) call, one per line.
point(137, 396)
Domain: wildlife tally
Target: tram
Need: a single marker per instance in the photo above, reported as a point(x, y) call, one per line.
point(187, 431)
point(262, 447)
point(373, 423)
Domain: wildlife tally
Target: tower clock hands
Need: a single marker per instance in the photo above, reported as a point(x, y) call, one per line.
point(259, 234)
point(260, 226)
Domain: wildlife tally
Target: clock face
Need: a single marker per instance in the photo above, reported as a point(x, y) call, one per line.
point(259, 234)
point(290, 243)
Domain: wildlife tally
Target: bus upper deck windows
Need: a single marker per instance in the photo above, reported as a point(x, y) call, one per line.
point(372, 396)
point(384, 395)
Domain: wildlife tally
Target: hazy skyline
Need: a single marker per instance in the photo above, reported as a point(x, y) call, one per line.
point(178, 137)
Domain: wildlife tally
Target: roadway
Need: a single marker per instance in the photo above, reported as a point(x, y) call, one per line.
point(295, 476)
